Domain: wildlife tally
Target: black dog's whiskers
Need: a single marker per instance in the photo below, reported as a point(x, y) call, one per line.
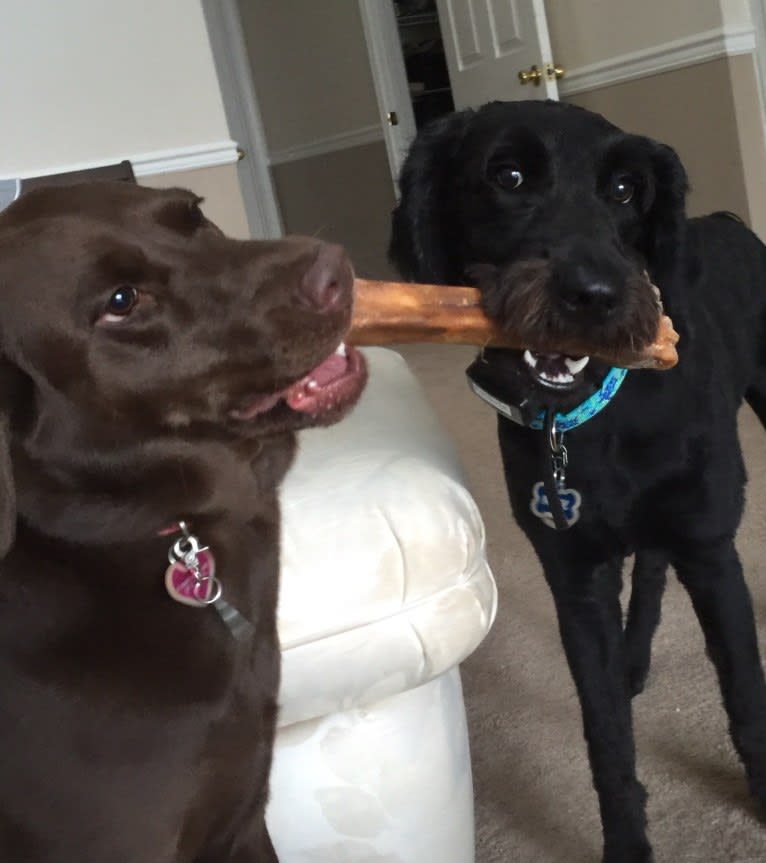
point(521, 297)
point(516, 296)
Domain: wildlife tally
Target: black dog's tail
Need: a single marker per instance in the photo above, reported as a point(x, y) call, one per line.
point(755, 395)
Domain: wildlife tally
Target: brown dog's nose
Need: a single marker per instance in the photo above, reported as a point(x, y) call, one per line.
point(326, 283)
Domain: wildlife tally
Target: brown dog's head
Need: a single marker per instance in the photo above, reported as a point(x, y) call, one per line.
point(126, 317)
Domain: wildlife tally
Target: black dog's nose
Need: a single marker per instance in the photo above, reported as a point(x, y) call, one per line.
point(583, 293)
point(326, 283)
point(591, 296)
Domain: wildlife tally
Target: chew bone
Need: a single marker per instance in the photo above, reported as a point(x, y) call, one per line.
point(402, 312)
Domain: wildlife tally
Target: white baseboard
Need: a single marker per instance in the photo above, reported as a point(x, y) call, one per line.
point(185, 159)
point(699, 48)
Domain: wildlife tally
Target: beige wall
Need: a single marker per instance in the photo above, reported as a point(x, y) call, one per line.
point(219, 187)
point(710, 112)
point(346, 196)
point(692, 109)
point(583, 32)
point(86, 81)
point(310, 65)
point(752, 141)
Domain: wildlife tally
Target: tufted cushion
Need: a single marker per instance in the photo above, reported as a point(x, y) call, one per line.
point(385, 582)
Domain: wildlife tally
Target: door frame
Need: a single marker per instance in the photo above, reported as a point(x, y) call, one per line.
point(384, 50)
point(758, 18)
point(243, 115)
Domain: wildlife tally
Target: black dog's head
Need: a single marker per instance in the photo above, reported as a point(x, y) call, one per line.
point(563, 220)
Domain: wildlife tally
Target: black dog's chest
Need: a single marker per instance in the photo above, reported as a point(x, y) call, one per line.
point(618, 477)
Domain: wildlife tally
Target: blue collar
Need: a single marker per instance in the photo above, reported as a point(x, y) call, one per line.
point(590, 407)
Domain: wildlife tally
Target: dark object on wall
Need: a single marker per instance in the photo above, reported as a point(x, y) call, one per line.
point(119, 171)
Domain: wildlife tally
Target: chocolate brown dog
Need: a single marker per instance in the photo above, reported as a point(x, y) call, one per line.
point(153, 373)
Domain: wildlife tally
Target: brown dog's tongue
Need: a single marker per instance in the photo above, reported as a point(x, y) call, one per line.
point(313, 393)
point(402, 312)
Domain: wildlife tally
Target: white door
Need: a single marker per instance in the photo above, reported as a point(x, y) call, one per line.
point(492, 45)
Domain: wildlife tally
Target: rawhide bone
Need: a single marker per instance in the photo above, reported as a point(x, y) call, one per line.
point(405, 312)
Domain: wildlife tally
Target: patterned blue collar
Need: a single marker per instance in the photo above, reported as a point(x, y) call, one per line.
point(590, 407)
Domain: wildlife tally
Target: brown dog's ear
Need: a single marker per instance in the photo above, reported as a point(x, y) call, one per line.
point(9, 387)
point(7, 490)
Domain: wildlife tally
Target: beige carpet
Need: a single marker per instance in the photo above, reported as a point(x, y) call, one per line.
point(534, 799)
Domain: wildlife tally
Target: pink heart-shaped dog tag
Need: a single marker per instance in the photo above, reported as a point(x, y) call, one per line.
point(182, 585)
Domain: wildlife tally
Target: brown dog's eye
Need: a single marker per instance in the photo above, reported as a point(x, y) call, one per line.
point(509, 177)
point(622, 189)
point(121, 303)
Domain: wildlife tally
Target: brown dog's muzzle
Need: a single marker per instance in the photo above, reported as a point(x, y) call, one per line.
point(327, 284)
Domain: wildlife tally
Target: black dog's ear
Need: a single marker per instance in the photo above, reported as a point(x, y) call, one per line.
point(419, 247)
point(666, 240)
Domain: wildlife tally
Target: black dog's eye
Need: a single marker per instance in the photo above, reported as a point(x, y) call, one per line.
point(509, 177)
point(121, 303)
point(622, 189)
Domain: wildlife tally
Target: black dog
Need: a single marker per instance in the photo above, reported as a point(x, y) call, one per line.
point(558, 216)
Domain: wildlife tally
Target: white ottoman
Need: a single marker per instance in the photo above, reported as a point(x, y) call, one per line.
point(385, 590)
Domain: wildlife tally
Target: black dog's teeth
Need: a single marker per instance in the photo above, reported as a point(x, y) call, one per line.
point(555, 369)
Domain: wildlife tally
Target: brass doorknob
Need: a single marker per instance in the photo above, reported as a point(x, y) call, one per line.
point(554, 71)
point(531, 76)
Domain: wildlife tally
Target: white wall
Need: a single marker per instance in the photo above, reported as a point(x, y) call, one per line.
point(88, 82)
point(736, 13)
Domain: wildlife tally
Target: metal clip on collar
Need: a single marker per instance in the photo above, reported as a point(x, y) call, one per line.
point(554, 477)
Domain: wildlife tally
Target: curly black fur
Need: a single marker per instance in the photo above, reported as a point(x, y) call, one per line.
point(556, 214)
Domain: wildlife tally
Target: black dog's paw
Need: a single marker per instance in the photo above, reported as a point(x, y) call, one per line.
point(750, 743)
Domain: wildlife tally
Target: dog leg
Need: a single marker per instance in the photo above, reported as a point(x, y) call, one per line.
point(648, 586)
point(713, 577)
point(590, 622)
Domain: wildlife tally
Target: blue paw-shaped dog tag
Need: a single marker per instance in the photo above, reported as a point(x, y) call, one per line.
point(570, 502)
